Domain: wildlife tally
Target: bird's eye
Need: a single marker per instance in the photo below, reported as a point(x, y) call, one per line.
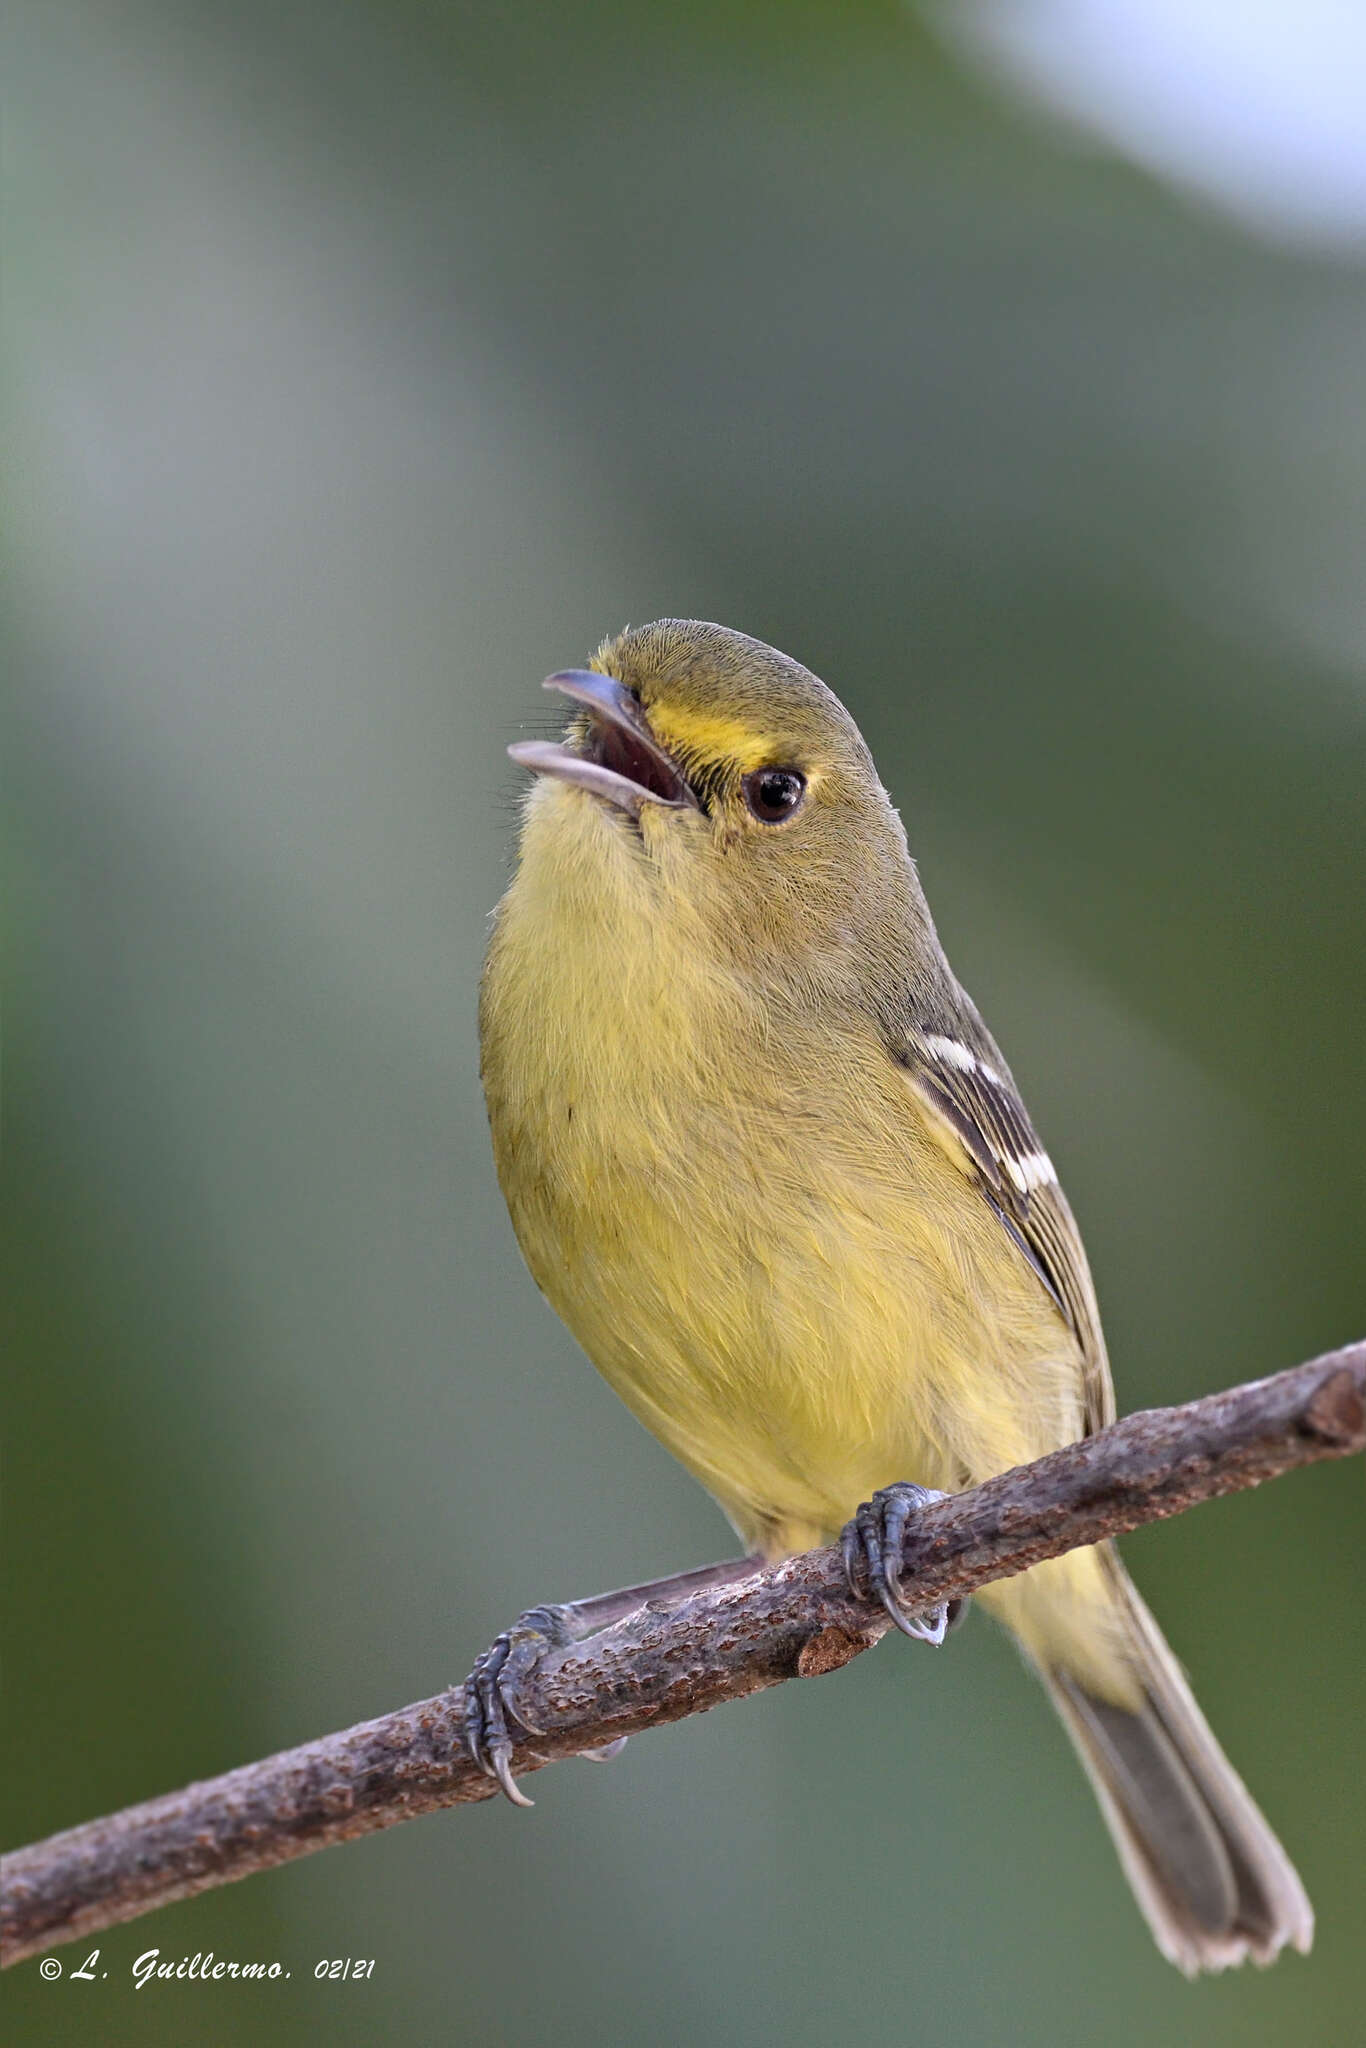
point(774, 793)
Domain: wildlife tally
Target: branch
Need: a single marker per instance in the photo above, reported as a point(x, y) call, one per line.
point(795, 1619)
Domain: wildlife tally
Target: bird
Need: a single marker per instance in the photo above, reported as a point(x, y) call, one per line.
point(768, 1165)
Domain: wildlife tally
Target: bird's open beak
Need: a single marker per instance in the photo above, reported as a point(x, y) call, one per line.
point(617, 757)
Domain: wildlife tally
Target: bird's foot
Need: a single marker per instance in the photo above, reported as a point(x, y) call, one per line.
point(871, 1545)
point(490, 1689)
point(493, 1722)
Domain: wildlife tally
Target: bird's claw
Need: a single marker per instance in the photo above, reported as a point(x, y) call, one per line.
point(491, 1712)
point(489, 1691)
point(604, 1753)
point(871, 1547)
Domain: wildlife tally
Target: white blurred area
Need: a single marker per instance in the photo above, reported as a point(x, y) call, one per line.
point(1257, 107)
point(1254, 112)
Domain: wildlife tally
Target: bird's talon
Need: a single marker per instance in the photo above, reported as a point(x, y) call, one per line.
point(490, 1696)
point(502, 1771)
point(873, 1541)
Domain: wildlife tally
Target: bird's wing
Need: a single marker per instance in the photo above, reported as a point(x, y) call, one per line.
point(985, 1126)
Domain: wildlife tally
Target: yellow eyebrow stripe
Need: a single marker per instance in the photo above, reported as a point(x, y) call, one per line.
point(707, 737)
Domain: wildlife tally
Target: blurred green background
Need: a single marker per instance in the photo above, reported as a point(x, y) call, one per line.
point(365, 363)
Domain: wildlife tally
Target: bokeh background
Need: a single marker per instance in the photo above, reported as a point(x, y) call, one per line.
point(1004, 363)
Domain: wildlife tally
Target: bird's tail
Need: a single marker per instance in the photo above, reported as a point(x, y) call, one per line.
point(1212, 1880)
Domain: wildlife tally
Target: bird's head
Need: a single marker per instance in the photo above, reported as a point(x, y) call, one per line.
point(736, 786)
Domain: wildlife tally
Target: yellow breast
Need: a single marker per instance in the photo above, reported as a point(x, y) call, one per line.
point(740, 1212)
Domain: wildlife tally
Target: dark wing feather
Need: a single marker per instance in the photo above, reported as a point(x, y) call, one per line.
point(961, 1077)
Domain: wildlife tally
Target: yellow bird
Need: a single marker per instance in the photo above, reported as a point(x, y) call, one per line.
point(767, 1163)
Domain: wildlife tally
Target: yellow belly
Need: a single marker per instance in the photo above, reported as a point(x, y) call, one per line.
point(749, 1228)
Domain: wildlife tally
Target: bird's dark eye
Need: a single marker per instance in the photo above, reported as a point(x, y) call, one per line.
point(774, 793)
